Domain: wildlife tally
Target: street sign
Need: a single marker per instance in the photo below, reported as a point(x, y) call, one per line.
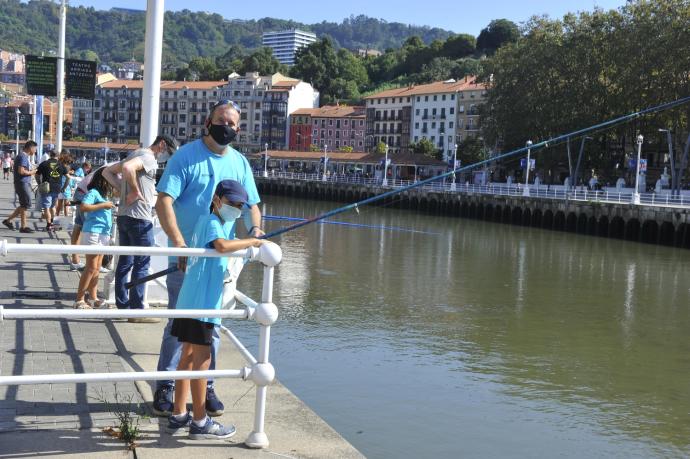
point(41, 75)
point(532, 163)
point(643, 165)
point(80, 79)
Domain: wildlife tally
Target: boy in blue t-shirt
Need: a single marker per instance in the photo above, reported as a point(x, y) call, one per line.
point(203, 289)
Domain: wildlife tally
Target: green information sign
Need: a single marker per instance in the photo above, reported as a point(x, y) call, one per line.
point(80, 79)
point(41, 75)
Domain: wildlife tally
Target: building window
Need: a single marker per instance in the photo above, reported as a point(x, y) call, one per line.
point(418, 99)
point(426, 98)
point(416, 112)
point(452, 97)
point(330, 122)
point(416, 125)
point(452, 110)
point(183, 105)
point(450, 125)
point(435, 97)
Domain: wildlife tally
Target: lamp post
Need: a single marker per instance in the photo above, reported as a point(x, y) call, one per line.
point(385, 169)
point(636, 193)
point(529, 151)
point(455, 165)
point(325, 161)
point(266, 160)
point(17, 113)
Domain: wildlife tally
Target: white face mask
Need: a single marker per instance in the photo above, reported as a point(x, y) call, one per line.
point(229, 213)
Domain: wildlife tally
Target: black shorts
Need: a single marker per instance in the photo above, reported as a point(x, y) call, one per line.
point(6, 170)
point(23, 190)
point(192, 331)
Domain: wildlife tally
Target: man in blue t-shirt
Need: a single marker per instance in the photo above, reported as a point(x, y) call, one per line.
point(22, 186)
point(185, 192)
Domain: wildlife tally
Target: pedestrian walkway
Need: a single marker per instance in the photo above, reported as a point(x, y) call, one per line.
point(68, 419)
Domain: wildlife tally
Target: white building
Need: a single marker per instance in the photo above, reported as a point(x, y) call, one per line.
point(286, 43)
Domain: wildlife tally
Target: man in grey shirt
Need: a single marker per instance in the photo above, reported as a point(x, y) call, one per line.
point(135, 216)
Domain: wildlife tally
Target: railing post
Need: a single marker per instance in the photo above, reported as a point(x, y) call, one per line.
point(263, 372)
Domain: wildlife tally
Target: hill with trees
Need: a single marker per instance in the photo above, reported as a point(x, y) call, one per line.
point(117, 35)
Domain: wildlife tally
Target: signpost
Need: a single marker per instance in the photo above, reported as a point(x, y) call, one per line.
point(41, 75)
point(80, 79)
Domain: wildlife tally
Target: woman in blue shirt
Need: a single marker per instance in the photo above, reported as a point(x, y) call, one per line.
point(98, 221)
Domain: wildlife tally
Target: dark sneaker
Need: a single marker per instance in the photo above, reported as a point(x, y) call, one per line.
point(211, 430)
point(214, 407)
point(162, 401)
point(174, 425)
point(26, 230)
point(8, 224)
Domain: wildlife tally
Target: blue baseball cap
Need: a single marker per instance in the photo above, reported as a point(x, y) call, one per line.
point(232, 190)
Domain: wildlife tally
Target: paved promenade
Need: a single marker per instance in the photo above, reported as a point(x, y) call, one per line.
point(59, 420)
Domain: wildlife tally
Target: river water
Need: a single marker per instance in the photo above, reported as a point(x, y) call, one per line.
point(475, 339)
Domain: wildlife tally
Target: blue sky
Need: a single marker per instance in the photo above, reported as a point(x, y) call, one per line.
point(455, 15)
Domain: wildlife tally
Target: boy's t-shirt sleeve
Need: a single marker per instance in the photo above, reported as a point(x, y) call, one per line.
point(174, 177)
point(214, 230)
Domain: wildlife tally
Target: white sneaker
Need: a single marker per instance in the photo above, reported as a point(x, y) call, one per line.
point(103, 269)
point(76, 266)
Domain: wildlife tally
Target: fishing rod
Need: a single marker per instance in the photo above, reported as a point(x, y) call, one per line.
point(352, 225)
point(536, 146)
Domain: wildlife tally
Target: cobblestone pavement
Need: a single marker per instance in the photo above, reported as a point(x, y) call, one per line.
point(51, 346)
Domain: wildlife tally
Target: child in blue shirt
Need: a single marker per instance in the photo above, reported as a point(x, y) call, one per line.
point(202, 288)
point(98, 222)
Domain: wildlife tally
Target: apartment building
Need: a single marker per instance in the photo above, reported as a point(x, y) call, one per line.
point(184, 106)
point(388, 118)
point(444, 112)
point(335, 126)
point(248, 92)
point(286, 43)
point(279, 103)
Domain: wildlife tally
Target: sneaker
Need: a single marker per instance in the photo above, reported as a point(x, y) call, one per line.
point(174, 425)
point(210, 430)
point(162, 401)
point(8, 224)
point(76, 266)
point(214, 407)
point(26, 230)
point(103, 269)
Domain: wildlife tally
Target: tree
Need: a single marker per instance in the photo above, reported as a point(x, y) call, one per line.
point(262, 61)
point(462, 45)
point(496, 34)
point(204, 68)
point(380, 148)
point(346, 149)
point(427, 148)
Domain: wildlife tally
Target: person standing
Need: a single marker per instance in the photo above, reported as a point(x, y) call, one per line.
point(135, 217)
point(6, 165)
point(185, 194)
point(22, 186)
point(50, 175)
point(79, 191)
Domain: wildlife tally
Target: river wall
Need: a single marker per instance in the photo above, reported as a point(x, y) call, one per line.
point(641, 223)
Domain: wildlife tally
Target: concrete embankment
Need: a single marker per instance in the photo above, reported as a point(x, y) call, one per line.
point(67, 420)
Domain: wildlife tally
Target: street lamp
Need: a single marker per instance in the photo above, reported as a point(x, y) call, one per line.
point(529, 151)
point(636, 193)
point(17, 112)
point(325, 161)
point(455, 165)
point(385, 169)
point(266, 160)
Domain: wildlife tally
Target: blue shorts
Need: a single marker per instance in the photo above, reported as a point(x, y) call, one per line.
point(49, 200)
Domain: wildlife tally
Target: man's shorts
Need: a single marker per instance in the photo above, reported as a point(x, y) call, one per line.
point(192, 331)
point(88, 238)
point(49, 200)
point(6, 170)
point(23, 190)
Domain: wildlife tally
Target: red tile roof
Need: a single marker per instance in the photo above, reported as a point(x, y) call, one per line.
point(332, 111)
point(438, 87)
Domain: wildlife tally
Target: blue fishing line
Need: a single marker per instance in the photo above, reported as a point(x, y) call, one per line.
point(355, 225)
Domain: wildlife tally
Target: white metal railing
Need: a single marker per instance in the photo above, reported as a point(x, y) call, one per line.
point(540, 191)
point(265, 313)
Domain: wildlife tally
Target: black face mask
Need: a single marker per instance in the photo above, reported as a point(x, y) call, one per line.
point(222, 134)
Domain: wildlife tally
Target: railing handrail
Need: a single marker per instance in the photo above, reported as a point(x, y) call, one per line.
point(260, 370)
point(517, 189)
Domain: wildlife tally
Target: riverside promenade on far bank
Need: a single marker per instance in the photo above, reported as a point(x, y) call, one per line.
point(68, 420)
